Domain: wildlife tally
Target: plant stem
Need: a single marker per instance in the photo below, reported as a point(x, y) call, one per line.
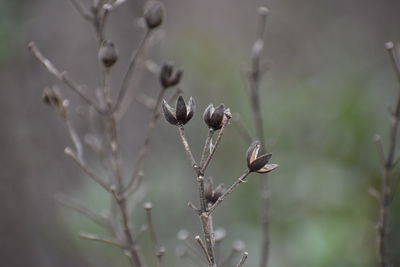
point(385, 195)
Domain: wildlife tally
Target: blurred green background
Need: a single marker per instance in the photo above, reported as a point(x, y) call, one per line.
point(326, 94)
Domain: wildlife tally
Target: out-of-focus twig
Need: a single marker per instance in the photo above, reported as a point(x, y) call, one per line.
point(385, 192)
point(62, 76)
point(254, 77)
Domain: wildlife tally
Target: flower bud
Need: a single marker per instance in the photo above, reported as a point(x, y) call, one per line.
point(153, 14)
point(108, 53)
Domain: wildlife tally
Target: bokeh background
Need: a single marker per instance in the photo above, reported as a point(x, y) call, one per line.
point(327, 92)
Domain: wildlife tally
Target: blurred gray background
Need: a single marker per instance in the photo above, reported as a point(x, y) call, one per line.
point(326, 94)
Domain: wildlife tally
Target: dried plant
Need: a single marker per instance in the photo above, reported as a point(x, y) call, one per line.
point(109, 110)
point(254, 76)
point(210, 198)
point(389, 161)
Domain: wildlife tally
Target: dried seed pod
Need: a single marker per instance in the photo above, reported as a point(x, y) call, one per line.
point(108, 53)
point(257, 163)
point(153, 14)
point(215, 117)
point(181, 114)
point(169, 75)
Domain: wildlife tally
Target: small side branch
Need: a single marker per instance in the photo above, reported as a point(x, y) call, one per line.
point(217, 142)
point(68, 151)
point(203, 247)
point(131, 68)
point(79, 207)
point(385, 195)
point(232, 188)
point(98, 238)
point(62, 76)
point(243, 259)
point(84, 11)
point(187, 148)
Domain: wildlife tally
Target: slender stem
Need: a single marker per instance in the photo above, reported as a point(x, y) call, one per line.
point(132, 185)
point(120, 200)
point(243, 259)
point(206, 146)
point(207, 226)
point(86, 169)
point(82, 9)
point(205, 218)
point(148, 208)
point(79, 207)
point(111, 241)
point(159, 251)
point(187, 148)
point(203, 247)
point(62, 76)
point(217, 142)
point(232, 188)
point(389, 164)
point(131, 68)
point(254, 78)
point(74, 135)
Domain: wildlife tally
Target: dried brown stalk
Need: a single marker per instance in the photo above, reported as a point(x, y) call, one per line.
point(254, 77)
point(389, 164)
point(107, 109)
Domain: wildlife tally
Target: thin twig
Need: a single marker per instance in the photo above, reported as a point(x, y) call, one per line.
point(203, 247)
point(217, 142)
point(68, 151)
point(132, 184)
point(388, 167)
point(131, 68)
point(254, 77)
point(206, 146)
point(243, 131)
point(62, 76)
point(232, 188)
point(73, 134)
point(159, 251)
point(187, 148)
point(79, 207)
point(148, 208)
point(111, 241)
point(243, 259)
point(207, 226)
point(379, 148)
point(82, 9)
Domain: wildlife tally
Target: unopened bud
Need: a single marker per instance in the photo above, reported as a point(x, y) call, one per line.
point(153, 14)
point(108, 53)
